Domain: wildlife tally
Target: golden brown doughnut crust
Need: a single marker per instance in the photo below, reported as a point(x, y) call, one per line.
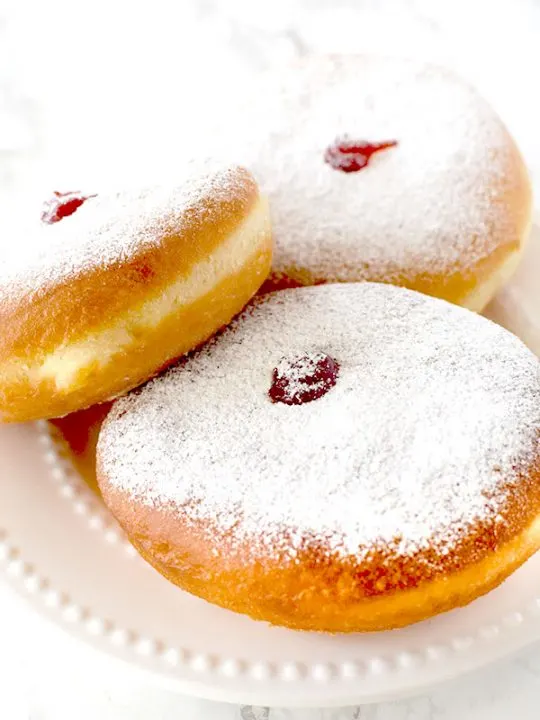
point(87, 305)
point(316, 593)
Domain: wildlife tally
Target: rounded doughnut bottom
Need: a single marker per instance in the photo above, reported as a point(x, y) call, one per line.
point(477, 298)
point(323, 599)
point(473, 292)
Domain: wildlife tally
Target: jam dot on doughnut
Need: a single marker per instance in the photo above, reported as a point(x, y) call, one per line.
point(352, 155)
point(303, 378)
point(62, 205)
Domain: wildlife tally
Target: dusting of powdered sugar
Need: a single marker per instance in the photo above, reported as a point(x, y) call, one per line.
point(434, 203)
point(434, 413)
point(108, 228)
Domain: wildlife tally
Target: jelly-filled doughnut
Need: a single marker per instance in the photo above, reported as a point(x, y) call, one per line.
point(386, 170)
point(346, 457)
point(107, 289)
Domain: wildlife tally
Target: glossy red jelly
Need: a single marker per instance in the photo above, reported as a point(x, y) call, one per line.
point(62, 205)
point(303, 378)
point(352, 155)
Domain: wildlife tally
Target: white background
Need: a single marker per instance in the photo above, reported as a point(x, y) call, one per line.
point(93, 90)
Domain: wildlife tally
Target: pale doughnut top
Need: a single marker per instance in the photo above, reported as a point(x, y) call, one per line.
point(434, 413)
point(106, 229)
point(432, 204)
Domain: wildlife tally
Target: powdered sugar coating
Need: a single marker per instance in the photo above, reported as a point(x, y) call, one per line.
point(435, 203)
point(434, 414)
point(107, 229)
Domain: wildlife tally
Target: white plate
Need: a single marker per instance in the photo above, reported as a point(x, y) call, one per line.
point(60, 548)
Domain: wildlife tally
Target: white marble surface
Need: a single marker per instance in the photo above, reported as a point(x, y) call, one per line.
point(88, 90)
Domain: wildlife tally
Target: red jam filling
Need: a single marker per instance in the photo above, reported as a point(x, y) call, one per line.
point(352, 155)
point(303, 378)
point(62, 205)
